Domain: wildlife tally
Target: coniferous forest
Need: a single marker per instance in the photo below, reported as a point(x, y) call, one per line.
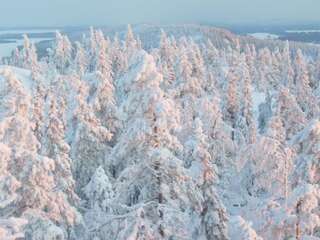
point(167, 137)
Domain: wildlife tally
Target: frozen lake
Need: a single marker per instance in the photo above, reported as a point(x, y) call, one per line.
point(304, 31)
point(9, 44)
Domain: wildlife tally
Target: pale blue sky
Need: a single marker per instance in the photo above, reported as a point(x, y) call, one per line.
point(16, 13)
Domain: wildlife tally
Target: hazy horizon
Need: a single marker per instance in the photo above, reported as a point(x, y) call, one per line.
point(45, 13)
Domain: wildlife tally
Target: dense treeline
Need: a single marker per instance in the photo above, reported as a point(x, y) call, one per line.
point(101, 139)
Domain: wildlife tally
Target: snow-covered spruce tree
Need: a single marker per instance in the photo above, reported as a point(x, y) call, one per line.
point(90, 140)
point(264, 67)
point(315, 75)
point(153, 191)
point(189, 89)
point(250, 58)
point(16, 58)
point(38, 110)
point(305, 97)
point(9, 228)
point(288, 109)
point(284, 156)
point(240, 229)
point(287, 72)
point(91, 49)
point(167, 59)
point(131, 44)
point(81, 60)
point(307, 144)
point(164, 47)
point(246, 122)
point(98, 191)
point(40, 199)
point(297, 218)
point(215, 129)
point(274, 77)
point(211, 54)
point(214, 215)
point(99, 194)
point(9, 184)
point(196, 150)
point(186, 81)
point(30, 57)
point(232, 103)
point(58, 149)
point(103, 64)
point(12, 228)
point(304, 201)
point(204, 173)
point(141, 84)
point(119, 62)
point(268, 178)
point(104, 97)
point(276, 131)
point(61, 53)
point(66, 97)
point(198, 68)
point(270, 161)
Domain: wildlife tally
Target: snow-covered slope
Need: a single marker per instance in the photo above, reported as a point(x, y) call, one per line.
point(191, 138)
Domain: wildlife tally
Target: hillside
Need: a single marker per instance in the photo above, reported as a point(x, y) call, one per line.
point(188, 132)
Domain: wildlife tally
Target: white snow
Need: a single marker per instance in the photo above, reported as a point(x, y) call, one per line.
point(91, 149)
point(262, 35)
point(11, 229)
point(22, 75)
point(257, 99)
point(239, 229)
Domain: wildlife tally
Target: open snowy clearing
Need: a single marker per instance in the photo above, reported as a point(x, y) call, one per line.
point(262, 35)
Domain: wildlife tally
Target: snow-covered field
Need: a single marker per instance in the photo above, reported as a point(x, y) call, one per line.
point(262, 35)
point(7, 47)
